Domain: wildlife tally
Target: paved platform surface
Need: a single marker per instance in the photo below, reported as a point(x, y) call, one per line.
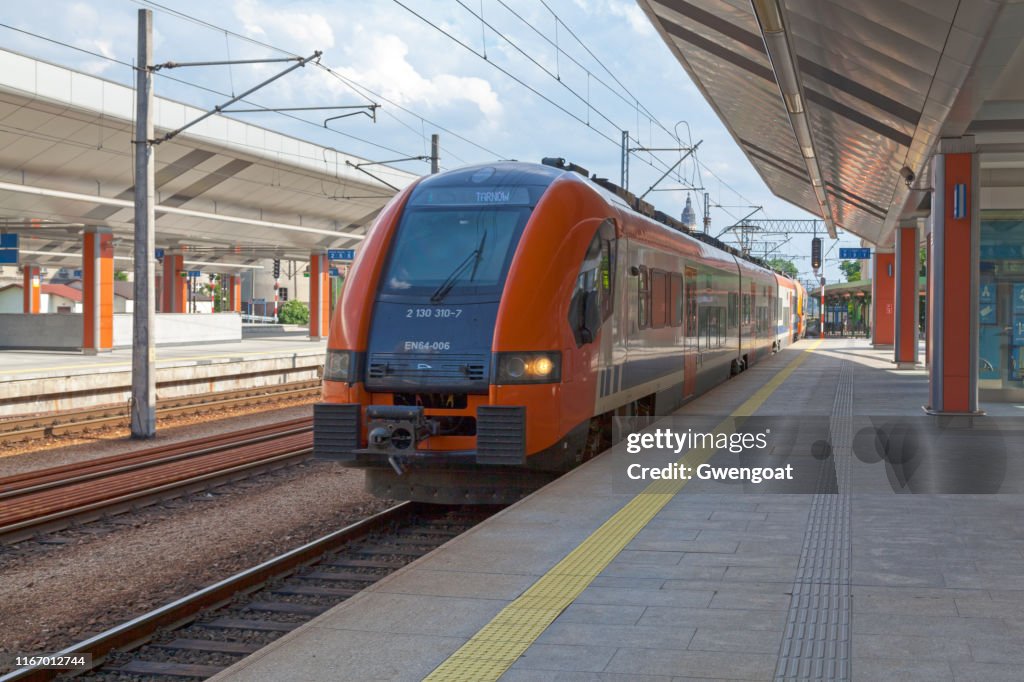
point(843, 574)
point(33, 382)
point(24, 364)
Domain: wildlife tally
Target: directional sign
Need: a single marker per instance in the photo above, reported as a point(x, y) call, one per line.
point(341, 254)
point(334, 272)
point(1018, 331)
point(987, 313)
point(1018, 298)
point(854, 254)
point(987, 292)
point(159, 253)
point(76, 273)
point(195, 273)
point(8, 249)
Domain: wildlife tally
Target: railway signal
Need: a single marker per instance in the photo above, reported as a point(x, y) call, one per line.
point(816, 253)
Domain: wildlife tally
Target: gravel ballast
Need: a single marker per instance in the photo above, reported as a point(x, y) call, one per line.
point(78, 583)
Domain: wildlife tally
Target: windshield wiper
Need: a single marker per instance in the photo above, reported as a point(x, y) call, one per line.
point(474, 257)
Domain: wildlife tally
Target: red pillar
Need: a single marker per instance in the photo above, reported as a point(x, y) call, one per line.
point(956, 232)
point(31, 286)
point(97, 291)
point(175, 289)
point(883, 296)
point(319, 296)
point(234, 294)
point(905, 336)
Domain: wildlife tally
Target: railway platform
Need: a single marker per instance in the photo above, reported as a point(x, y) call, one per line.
point(895, 552)
point(48, 381)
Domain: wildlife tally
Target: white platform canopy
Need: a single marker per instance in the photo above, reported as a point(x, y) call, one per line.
point(228, 192)
point(880, 82)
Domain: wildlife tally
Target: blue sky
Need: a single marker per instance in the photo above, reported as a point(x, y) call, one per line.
point(574, 97)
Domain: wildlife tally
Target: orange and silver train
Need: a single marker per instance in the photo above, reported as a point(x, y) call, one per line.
point(498, 316)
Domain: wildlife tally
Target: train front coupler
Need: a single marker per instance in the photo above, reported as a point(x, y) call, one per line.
point(396, 430)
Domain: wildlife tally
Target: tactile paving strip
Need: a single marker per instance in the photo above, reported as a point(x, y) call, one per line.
point(816, 643)
point(496, 646)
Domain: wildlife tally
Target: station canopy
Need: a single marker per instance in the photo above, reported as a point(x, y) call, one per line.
point(831, 99)
point(228, 193)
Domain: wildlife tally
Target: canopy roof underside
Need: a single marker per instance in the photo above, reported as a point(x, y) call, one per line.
point(227, 192)
point(882, 82)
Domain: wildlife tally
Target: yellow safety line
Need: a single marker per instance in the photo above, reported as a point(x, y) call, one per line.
point(160, 361)
point(492, 650)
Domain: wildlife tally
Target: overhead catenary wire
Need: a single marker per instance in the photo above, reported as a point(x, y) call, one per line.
point(523, 83)
point(197, 86)
point(361, 89)
point(369, 93)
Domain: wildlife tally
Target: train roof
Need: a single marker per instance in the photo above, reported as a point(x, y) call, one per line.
point(632, 203)
point(528, 181)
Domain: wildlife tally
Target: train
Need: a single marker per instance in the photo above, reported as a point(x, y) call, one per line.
point(499, 317)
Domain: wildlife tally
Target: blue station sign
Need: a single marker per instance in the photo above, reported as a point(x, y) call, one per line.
point(854, 254)
point(341, 254)
point(8, 249)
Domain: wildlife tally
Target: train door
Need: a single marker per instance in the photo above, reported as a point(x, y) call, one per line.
point(591, 307)
point(691, 330)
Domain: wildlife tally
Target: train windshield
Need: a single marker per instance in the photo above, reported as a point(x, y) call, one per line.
point(453, 251)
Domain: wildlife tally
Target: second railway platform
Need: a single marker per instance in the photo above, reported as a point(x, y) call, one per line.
point(852, 576)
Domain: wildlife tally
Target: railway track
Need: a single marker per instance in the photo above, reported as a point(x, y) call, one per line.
point(52, 499)
point(207, 631)
point(78, 421)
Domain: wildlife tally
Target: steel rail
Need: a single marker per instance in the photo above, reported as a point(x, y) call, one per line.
point(36, 427)
point(46, 503)
point(137, 631)
point(45, 479)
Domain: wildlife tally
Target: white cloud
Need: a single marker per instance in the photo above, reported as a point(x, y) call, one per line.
point(104, 47)
point(302, 31)
point(382, 64)
point(623, 9)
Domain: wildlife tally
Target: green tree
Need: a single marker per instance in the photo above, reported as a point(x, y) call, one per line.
point(784, 266)
point(121, 276)
point(293, 312)
point(851, 268)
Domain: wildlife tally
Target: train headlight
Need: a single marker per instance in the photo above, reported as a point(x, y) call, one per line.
point(338, 366)
point(537, 367)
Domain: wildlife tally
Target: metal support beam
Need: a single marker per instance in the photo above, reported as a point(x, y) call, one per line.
point(664, 175)
point(624, 162)
point(220, 107)
point(143, 404)
point(435, 153)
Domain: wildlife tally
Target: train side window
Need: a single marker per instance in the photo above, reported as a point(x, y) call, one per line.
point(734, 309)
point(659, 298)
point(592, 299)
point(643, 306)
point(676, 299)
point(746, 309)
point(606, 269)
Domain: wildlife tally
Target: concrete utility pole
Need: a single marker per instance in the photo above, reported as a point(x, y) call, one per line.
point(143, 406)
point(435, 153)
